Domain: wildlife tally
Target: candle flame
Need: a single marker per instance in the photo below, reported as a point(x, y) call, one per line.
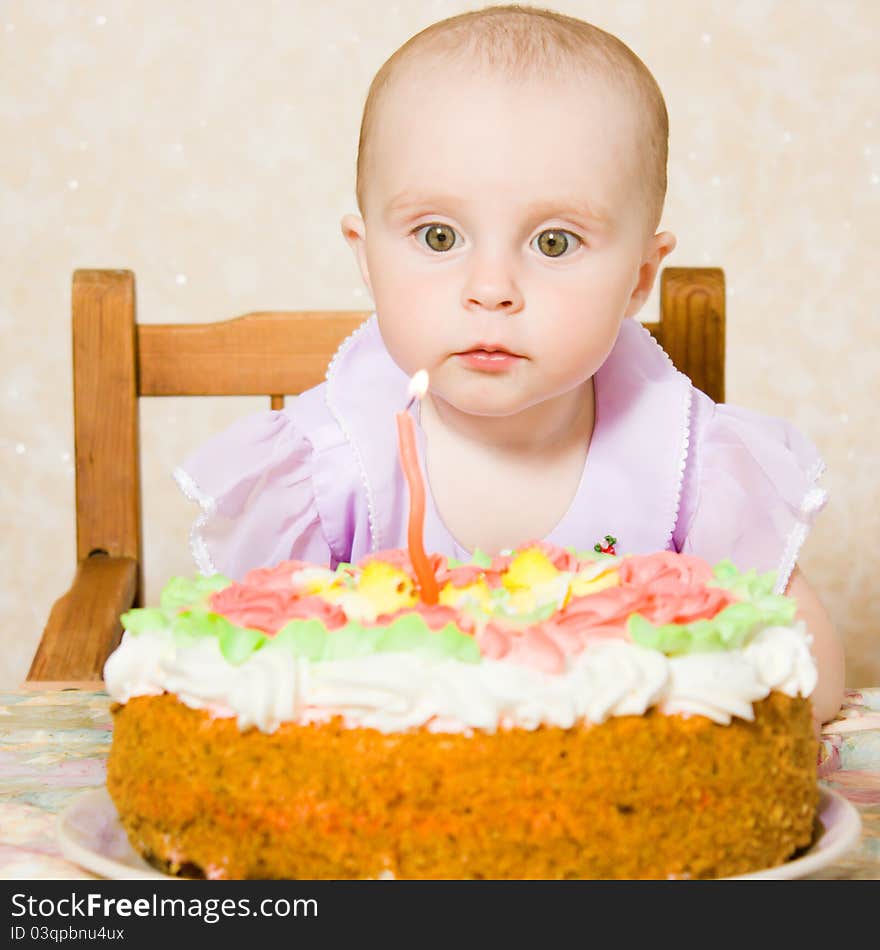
point(418, 385)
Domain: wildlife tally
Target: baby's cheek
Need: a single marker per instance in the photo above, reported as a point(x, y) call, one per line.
point(406, 337)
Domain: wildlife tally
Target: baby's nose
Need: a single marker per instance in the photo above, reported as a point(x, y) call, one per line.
point(491, 286)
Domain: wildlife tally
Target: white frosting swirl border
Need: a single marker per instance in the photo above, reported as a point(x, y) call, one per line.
point(394, 692)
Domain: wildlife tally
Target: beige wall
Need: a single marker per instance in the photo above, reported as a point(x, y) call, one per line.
point(210, 146)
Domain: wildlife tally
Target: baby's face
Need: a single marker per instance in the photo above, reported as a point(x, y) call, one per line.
point(507, 216)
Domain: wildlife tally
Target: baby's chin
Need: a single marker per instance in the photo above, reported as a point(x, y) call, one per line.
point(491, 397)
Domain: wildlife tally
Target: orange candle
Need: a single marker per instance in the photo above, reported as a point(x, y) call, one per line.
point(409, 460)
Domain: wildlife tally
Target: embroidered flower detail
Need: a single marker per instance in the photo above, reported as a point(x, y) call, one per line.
point(608, 547)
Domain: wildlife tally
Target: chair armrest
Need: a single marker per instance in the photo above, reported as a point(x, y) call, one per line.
point(84, 628)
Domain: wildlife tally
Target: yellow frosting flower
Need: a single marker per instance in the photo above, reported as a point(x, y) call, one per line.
point(522, 601)
point(478, 592)
point(386, 587)
point(581, 586)
point(528, 569)
point(317, 580)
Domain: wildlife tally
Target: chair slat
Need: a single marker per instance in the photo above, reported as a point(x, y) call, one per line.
point(108, 496)
point(254, 355)
point(693, 324)
point(83, 627)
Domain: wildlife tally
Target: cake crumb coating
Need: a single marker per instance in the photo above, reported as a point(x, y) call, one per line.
point(652, 796)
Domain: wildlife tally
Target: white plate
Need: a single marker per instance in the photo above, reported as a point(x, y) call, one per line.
point(92, 837)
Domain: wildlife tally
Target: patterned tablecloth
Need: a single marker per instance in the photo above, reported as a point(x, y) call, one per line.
point(54, 744)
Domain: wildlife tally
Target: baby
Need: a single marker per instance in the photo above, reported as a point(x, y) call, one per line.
point(511, 176)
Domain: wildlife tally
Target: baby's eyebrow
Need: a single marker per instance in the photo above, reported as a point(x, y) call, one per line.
point(590, 214)
point(567, 208)
point(410, 201)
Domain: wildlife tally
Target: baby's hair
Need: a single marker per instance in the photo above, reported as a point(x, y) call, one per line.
point(531, 42)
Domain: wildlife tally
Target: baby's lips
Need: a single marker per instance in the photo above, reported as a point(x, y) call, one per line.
point(488, 348)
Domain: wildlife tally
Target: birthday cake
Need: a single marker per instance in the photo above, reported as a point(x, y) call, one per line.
point(555, 714)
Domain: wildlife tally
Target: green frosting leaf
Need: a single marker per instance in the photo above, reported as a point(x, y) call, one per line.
point(350, 641)
point(182, 592)
point(306, 638)
point(449, 641)
point(748, 585)
point(756, 589)
point(406, 634)
point(733, 624)
point(727, 630)
point(238, 643)
point(670, 639)
point(776, 610)
point(144, 618)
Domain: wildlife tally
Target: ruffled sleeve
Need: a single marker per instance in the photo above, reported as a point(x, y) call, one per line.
point(750, 491)
point(253, 483)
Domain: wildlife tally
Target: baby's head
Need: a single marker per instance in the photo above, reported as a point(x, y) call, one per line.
point(511, 176)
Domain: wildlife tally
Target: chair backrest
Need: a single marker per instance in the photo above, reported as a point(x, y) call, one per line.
point(116, 361)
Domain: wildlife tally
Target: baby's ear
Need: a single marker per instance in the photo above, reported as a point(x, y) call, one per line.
point(656, 249)
point(355, 232)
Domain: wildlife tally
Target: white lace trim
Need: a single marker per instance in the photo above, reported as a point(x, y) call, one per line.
point(686, 437)
point(813, 500)
point(198, 546)
point(375, 535)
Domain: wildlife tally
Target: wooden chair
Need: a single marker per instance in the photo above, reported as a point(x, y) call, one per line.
point(117, 360)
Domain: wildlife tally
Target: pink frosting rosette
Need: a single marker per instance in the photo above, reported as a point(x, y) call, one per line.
point(269, 609)
point(274, 578)
point(673, 587)
point(599, 615)
point(664, 570)
point(684, 605)
point(530, 647)
point(315, 608)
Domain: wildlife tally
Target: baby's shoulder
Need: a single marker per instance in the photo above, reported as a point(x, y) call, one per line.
point(724, 431)
point(311, 417)
point(749, 488)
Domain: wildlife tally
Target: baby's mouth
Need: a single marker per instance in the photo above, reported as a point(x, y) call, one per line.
point(489, 358)
point(489, 351)
point(491, 354)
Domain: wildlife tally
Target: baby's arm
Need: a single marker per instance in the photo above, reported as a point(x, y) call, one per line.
point(827, 647)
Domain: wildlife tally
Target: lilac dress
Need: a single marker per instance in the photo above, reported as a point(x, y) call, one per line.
point(667, 469)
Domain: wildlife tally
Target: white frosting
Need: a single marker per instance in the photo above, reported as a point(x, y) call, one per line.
point(392, 692)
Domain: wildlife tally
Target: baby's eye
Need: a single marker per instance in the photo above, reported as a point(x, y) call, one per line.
point(438, 237)
point(556, 242)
